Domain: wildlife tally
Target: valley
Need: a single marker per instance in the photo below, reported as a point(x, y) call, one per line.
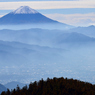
point(42, 53)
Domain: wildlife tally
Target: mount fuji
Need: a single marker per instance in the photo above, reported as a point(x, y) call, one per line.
point(25, 15)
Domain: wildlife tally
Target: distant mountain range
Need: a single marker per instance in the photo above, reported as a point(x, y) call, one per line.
point(74, 37)
point(44, 37)
point(14, 84)
point(89, 31)
point(31, 54)
point(10, 86)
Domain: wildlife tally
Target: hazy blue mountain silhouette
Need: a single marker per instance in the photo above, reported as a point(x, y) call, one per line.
point(89, 31)
point(75, 37)
point(44, 37)
point(14, 84)
point(36, 53)
point(2, 88)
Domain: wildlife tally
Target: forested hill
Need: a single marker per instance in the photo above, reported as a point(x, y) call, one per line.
point(55, 86)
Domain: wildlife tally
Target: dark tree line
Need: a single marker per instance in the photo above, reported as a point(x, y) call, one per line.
point(55, 86)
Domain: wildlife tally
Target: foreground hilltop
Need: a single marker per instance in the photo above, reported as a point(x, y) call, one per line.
point(55, 86)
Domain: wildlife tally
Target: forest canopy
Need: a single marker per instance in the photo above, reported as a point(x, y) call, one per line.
point(55, 86)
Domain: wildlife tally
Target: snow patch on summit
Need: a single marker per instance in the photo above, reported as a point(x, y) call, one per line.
point(24, 10)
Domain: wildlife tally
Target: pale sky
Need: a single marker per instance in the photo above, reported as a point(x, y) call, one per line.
point(73, 12)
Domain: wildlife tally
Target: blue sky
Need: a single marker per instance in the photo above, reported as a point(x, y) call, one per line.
point(73, 12)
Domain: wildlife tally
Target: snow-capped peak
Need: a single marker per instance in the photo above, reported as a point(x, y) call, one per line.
point(24, 10)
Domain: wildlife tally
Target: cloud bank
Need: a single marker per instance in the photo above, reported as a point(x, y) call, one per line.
point(47, 4)
point(75, 19)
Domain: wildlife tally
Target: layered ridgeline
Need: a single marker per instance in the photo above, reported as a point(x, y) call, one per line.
point(33, 54)
point(27, 15)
